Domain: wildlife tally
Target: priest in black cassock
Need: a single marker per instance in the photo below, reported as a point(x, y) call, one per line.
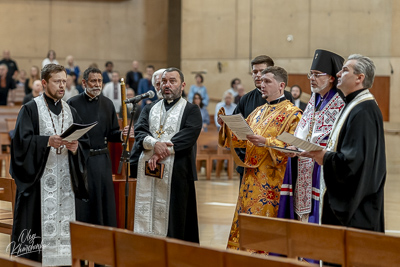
point(166, 133)
point(253, 99)
point(49, 173)
point(354, 162)
point(93, 106)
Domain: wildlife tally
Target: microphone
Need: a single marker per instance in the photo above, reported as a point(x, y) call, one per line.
point(136, 99)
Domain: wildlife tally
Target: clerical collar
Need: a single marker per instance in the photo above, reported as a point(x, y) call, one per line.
point(53, 105)
point(276, 101)
point(169, 103)
point(91, 98)
point(351, 96)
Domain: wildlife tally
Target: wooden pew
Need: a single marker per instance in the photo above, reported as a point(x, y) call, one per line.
point(207, 144)
point(6, 216)
point(139, 250)
point(372, 249)
point(93, 243)
point(260, 233)
point(240, 258)
point(181, 253)
point(320, 242)
point(293, 238)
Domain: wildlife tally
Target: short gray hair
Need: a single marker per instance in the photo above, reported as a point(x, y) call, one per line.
point(155, 74)
point(364, 65)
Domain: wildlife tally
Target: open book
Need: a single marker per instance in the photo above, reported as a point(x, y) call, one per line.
point(75, 131)
point(299, 143)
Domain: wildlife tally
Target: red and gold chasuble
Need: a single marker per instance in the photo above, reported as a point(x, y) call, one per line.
point(260, 189)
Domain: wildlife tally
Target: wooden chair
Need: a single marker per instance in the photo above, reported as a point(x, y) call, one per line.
point(263, 234)
point(372, 249)
point(206, 145)
point(319, 242)
point(93, 243)
point(139, 250)
point(180, 253)
point(7, 194)
point(240, 258)
point(221, 155)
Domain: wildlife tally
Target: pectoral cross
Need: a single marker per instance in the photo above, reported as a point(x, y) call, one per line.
point(159, 132)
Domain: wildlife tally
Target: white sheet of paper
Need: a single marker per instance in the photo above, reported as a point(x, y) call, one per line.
point(78, 133)
point(238, 125)
point(299, 143)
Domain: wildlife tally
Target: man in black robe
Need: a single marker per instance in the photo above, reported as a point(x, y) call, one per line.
point(30, 152)
point(93, 106)
point(253, 99)
point(166, 133)
point(354, 163)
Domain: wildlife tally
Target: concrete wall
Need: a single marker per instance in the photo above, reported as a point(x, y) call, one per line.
point(91, 31)
point(233, 32)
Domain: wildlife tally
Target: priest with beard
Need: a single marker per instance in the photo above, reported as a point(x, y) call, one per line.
point(49, 173)
point(166, 133)
point(354, 162)
point(93, 106)
point(301, 189)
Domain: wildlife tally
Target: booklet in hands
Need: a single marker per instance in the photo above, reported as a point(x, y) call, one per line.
point(75, 131)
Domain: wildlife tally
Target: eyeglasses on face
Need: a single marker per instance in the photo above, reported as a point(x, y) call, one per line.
point(315, 75)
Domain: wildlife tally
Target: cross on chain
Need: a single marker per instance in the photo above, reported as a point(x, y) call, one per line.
point(160, 132)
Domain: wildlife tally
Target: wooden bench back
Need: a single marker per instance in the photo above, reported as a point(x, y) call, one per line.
point(139, 250)
point(92, 242)
point(372, 249)
point(263, 233)
point(180, 253)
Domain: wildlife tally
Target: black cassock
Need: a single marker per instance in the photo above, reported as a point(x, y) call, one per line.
point(29, 152)
point(182, 222)
point(355, 174)
point(100, 209)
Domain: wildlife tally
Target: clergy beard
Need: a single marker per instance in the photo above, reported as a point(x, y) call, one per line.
point(94, 91)
point(174, 93)
point(321, 88)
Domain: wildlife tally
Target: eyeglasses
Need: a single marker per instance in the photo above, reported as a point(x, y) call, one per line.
point(316, 75)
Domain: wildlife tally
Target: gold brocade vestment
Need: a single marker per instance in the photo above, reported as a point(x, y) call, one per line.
point(260, 189)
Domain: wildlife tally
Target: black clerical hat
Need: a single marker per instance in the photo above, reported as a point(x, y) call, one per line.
point(327, 62)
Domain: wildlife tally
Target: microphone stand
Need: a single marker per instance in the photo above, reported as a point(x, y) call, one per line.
point(125, 159)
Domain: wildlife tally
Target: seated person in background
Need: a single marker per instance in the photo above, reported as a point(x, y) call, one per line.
point(198, 88)
point(51, 58)
point(234, 90)
point(37, 90)
point(33, 76)
point(145, 85)
point(241, 92)
point(197, 100)
point(296, 92)
point(130, 93)
point(227, 104)
point(70, 89)
point(21, 79)
point(107, 74)
point(71, 67)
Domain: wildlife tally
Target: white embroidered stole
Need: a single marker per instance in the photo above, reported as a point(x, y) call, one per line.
point(337, 127)
point(320, 129)
point(57, 197)
point(153, 194)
